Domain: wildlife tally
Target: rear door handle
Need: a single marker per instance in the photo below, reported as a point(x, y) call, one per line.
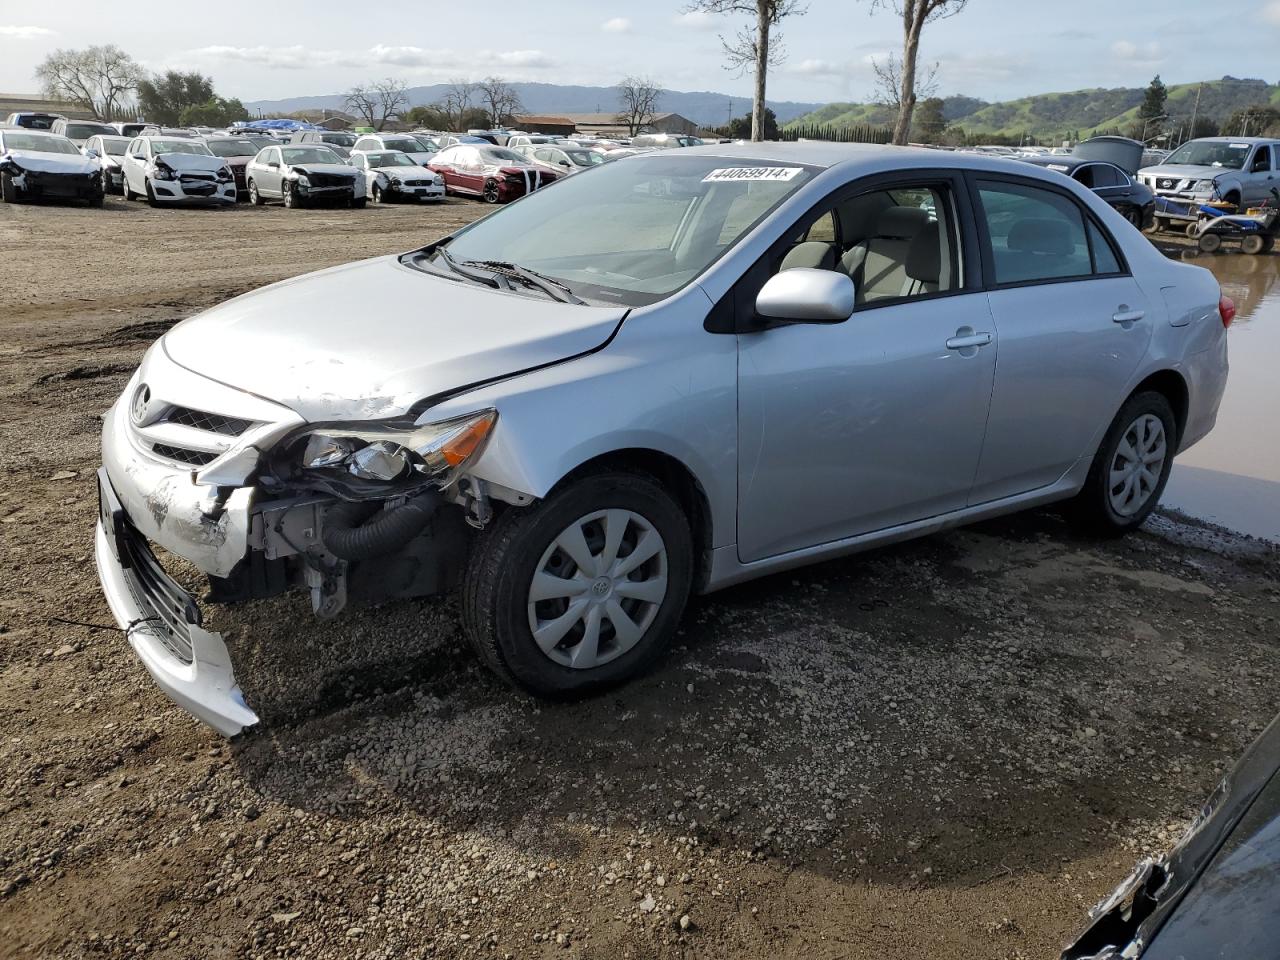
point(1125, 315)
point(972, 340)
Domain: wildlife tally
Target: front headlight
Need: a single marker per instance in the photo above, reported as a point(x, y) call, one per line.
point(160, 172)
point(1205, 186)
point(302, 180)
point(225, 174)
point(432, 451)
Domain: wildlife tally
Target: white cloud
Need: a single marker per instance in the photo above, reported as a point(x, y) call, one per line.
point(517, 58)
point(818, 68)
point(25, 33)
point(1146, 53)
point(696, 20)
point(417, 59)
point(616, 25)
point(295, 57)
point(1271, 12)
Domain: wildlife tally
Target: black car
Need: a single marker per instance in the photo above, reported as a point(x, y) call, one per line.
point(1135, 201)
point(1216, 894)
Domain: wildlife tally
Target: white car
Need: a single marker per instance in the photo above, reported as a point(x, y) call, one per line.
point(299, 174)
point(566, 159)
point(36, 163)
point(168, 170)
point(108, 151)
point(379, 142)
point(392, 175)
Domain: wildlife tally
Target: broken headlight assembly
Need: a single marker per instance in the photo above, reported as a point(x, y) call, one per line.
point(388, 453)
point(225, 174)
point(162, 171)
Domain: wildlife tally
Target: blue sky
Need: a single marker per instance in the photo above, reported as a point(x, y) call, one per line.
point(995, 49)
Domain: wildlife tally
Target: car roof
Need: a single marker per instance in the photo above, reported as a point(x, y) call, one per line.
point(825, 154)
point(1248, 140)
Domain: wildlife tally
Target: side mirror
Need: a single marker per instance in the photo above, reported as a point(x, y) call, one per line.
point(564, 163)
point(807, 295)
point(91, 153)
point(272, 165)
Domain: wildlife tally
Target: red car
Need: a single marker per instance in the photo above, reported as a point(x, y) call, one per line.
point(495, 174)
point(237, 151)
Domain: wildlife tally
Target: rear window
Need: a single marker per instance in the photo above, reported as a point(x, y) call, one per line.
point(83, 131)
point(232, 148)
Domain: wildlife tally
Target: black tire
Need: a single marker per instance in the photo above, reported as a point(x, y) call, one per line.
point(97, 202)
point(1193, 229)
point(1268, 244)
point(377, 196)
point(126, 191)
point(1253, 244)
point(1233, 198)
point(1092, 509)
point(505, 556)
point(359, 203)
point(290, 197)
point(491, 193)
point(8, 192)
point(255, 197)
point(151, 194)
point(1210, 242)
point(1134, 216)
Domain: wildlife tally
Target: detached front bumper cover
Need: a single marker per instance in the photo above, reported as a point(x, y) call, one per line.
point(190, 664)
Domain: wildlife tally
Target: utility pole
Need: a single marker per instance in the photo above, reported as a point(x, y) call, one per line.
point(1195, 111)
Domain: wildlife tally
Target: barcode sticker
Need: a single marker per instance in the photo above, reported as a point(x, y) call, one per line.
point(751, 173)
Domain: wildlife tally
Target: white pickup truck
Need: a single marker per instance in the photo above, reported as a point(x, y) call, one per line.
point(1239, 170)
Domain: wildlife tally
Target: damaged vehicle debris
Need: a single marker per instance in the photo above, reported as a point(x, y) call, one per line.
point(638, 386)
point(1215, 893)
point(301, 175)
point(36, 165)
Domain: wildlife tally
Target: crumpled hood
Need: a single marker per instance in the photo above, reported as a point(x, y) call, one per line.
point(42, 162)
point(340, 169)
point(407, 173)
point(1185, 171)
point(191, 161)
point(368, 340)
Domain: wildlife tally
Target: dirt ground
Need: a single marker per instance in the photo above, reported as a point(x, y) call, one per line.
point(948, 749)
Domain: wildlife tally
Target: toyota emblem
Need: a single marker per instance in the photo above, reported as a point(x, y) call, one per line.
point(140, 405)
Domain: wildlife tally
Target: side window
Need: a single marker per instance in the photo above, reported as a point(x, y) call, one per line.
point(1035, 234)
point(823, 229)
point(1105, 260)
point(543, 154)
point(1262, 160)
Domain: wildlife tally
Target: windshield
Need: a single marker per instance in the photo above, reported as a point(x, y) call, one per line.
point(392, 158)
point(407, 144)
point(83, 131)
point(341, 139)
point(27, 141)
point(231, 148)
point(310, 155)
point(1210, 153)
point(114, 147)
point(503, 155)
point(427, 143)
point(633, 232)
point(584, 158)
point(179, 146)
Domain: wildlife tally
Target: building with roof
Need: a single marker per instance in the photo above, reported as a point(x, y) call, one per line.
point(539, 123)
point(609, 124)
point(30, 102)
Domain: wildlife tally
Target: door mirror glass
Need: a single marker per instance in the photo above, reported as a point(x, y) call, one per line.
point(806, 295)
point(91, 153)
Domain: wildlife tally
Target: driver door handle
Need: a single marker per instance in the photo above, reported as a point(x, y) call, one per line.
point(972, 340)
point(1125, 315)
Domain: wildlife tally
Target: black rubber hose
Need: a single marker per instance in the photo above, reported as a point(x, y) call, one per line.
point(350, 533)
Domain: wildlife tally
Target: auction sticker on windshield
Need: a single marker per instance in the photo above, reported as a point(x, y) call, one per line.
point(752, 173)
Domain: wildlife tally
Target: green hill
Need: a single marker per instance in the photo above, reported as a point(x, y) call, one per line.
point(1056, 114)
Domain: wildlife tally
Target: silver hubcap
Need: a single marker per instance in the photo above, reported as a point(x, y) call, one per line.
point(597, 588)
point(1137, 465)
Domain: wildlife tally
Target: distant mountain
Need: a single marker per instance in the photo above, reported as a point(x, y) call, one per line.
point(702, 107)
point(1057, 114)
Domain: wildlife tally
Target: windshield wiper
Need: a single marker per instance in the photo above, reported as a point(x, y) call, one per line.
point(487, 278)
point(549, 285)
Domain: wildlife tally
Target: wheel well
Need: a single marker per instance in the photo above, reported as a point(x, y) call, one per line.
point(1174, 388)
point(677, 480)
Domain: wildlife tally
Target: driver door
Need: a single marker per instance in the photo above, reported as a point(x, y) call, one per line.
point(860, 426)
point(271, 178)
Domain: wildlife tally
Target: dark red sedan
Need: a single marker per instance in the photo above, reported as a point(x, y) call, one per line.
point(237, 152)
point(495, 174)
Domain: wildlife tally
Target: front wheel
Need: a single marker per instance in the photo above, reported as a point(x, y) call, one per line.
point(491, 193)
point(291, 198)
point(1210, 242)
point(582, 591)
point(8, 190)
point(255, 197)
point(1131, 467)
point(1253, 244)
point(359, 203)
point(151, 194)
point(378, 195)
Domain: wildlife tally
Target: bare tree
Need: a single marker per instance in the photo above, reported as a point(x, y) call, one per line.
point(757, 48)
point(888, 89)
point(379, 101)
point(639, 98)
point(915, 14)
point(457, 100)
point(498, 98)
point(97, 78)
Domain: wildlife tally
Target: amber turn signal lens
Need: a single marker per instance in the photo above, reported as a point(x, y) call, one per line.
point(458, 448)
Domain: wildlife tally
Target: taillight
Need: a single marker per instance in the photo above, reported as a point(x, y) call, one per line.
point(1226, 310)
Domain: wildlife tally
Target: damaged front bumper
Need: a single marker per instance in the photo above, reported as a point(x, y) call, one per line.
point(163, 624)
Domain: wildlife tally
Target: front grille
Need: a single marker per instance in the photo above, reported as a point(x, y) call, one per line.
point(196, 458)
point(208, 422)
point(199, 176)
point(417, 183)
point(329, 180)
point(172, 612)
point(1167, 183)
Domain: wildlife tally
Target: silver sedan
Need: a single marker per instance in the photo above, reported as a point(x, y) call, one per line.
point(687, 370)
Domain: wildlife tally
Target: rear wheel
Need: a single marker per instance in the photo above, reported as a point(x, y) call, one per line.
point(1131, 467)
point(1193, 229)
point(1210, 242)
point(1253, 244)
point(582, 591)
point(377, 194)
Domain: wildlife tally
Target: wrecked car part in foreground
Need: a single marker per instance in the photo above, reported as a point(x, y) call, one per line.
point(640, 385)
point(35, 165)
point(1215, 894)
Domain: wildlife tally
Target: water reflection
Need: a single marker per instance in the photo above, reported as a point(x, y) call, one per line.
point(1232, 477)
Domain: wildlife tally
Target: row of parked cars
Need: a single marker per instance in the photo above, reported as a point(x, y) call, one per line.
point(86, 160)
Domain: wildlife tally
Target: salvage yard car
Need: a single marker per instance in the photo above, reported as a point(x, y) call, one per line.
point(236, 152)
point(377, 142)
point(175, 171)
point(300, 175)
point(108, 150)
point(686, 370)
point(78, 131)
point(392, 175)
point(494, 174)
point(1237, 170)
point(35, 164)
